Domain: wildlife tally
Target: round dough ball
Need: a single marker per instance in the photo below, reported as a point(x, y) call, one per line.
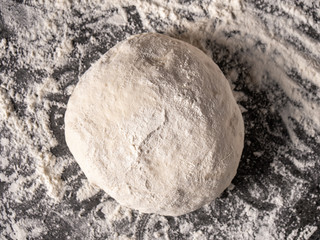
point(154, 123)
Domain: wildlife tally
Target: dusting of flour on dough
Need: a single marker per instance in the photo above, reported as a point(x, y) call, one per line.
point(156, 139)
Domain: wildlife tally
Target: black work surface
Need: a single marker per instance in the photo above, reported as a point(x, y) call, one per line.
point(268, 169)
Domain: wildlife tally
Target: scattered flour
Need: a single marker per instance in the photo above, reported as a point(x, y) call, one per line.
point(270, 47)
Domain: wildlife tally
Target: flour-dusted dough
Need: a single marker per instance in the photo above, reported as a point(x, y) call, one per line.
point(154, 124)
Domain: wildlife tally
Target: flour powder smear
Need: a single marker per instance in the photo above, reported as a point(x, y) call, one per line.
point(269, 53)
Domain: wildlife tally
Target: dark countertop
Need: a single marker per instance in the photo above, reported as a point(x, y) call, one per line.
point(276, 192)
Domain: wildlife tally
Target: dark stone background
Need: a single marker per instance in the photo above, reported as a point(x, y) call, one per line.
point(266, 133)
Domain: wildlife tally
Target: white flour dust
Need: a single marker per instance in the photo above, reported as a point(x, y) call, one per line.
point(269, 52)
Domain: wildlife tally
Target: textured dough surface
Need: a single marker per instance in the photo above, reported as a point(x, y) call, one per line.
point(154, 123)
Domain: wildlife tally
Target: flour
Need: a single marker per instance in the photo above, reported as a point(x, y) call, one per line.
point(267, 49)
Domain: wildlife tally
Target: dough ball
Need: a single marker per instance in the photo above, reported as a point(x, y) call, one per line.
point(154, 124)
